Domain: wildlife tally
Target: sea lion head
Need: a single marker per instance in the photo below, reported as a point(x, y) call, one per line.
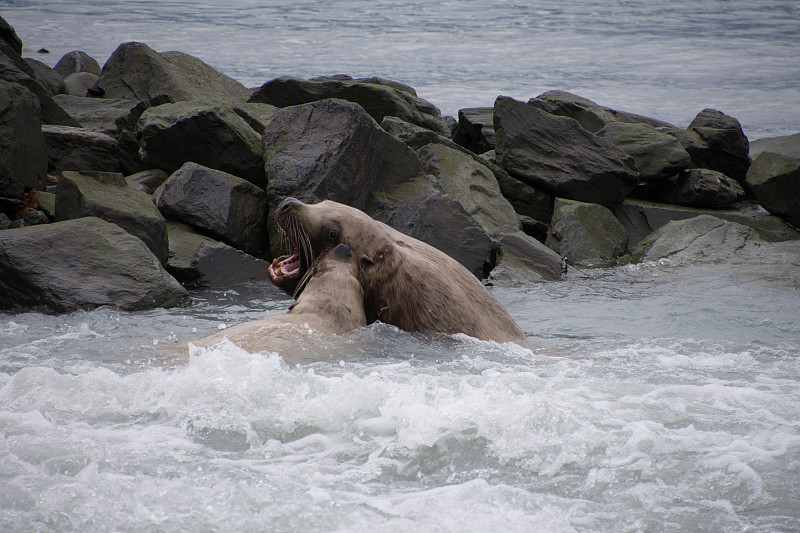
point(313, 229)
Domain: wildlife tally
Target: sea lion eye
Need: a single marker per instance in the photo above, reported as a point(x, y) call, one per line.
point(333, 234)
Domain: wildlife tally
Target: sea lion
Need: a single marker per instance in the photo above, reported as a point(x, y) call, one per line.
point(406, 282)
point(331, 302)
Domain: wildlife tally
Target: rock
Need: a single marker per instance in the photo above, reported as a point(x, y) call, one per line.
point(331, 149)
point(75, 62)
point(475, 129)
point(23, 155)
point(137, 72)
point(81, 264)
point(200, 262)
point(414, 136)
point(557, 155)
point(716, 141)
point(640, 218)
point(257, 116)
point(52, 82)
point(380, 98)
point(704, 239)
point(108, 196)
point(79, 83)
point(785, 145)
point(32, 218)
point(706, 188)
point(587, 235)
point(209, 135)
point(593, 117)
point(227, 207)
point(147, 180)
point(79, 149)
point(658, 155)
point(774, 180)
point(96, 114)
point(14, 69)
point(522, 259)
point(526, 199)
point(9, 36)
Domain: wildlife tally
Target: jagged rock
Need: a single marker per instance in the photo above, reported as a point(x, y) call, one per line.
point(414, 136)
point(209, 135)
point(229, 208)
point(774, 180)
point(256, 115)
point(9, 36)
point(522, 259)
point(137, 72)
point(147, 180)
point(640, 218)
point(23, 155)
point(658, 155)
point(706, 188)
point(557, 155)
point(784, 145)
point(380, 98)
point(331, 150)
point(475, 129)
point(14, 69)
point(96, 114)
point(716, 141)
point(593, 117)
point(81, 264)
point(586, 234)
point(526, 199)
point(704, 238)
point(79, 149)
point(108, 196)
point(52, 82)
point(79, 83)
point(201, 262)
point(75, 62)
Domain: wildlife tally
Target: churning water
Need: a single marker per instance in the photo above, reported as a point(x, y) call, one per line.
point(653, 398)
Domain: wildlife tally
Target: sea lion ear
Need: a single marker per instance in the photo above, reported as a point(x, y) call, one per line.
point(378, 255)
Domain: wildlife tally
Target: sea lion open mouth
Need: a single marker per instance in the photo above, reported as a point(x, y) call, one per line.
point(287, 271)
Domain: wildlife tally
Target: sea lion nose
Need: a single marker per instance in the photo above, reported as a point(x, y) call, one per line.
point(289, 203)
point(342, 251)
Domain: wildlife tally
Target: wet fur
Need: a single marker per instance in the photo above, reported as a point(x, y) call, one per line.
point(406, 282)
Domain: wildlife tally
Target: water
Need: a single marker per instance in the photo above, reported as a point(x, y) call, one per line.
point(668, 60)
point(653, 398)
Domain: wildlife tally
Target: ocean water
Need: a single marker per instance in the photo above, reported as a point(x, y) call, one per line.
point(668, 60)
point(657, 397)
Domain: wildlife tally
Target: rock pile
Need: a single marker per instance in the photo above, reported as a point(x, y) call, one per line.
point(116, 182)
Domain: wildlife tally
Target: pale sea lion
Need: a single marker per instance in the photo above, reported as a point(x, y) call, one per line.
point(331, 302)
point(406, 282)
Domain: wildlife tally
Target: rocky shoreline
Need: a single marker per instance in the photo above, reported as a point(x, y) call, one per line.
point(127, 184)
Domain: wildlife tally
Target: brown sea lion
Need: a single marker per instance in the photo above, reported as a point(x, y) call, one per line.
point(331, 302)
point(406, 282)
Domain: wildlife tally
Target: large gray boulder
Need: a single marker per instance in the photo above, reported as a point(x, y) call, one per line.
point(81, 264)
point(75, 62)
point(79, 83)
point(702, 239)
point(198, 261)
point(641, 217)
point(9, 36)
point(586, 234)
point(96, 114)
point(23, 155)
point(14, 69)
point(475, 129)
point(774, 180)
point(559, 156)
point(214, 136)
point(592, 116)
point(331, 150)
point(108, 196)
point(784, 145)
point(700, 187)
point(79, 149)
point(137, 72)
point(658, 155)
point(52, 82)
point(380, 98)
point(521, 259)
point(229, 208)
point(716, 141)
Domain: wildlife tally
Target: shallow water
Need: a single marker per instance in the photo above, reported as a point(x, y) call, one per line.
point(655, 398)
point(668, 60)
